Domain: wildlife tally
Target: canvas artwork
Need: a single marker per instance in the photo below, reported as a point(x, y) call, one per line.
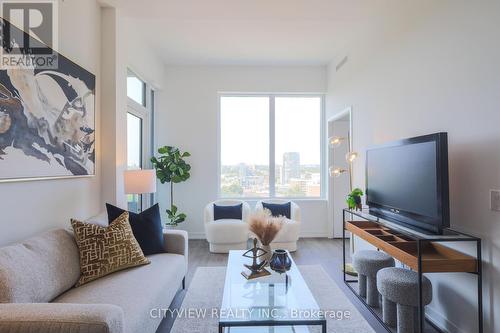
point(47, 122)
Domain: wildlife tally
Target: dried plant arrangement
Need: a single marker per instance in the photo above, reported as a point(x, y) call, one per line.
point(265, 226)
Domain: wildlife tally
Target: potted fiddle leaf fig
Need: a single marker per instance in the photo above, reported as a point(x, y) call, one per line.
point(172, 168)
point(354, 199)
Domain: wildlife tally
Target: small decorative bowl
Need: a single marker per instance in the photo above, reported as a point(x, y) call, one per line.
point(280, 261)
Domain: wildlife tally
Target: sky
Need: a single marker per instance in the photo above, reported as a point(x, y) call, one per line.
point(135, 89)
point(245, 129)
point(134, 134)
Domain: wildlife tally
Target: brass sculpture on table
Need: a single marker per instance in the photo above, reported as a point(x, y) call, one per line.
point(256, 269)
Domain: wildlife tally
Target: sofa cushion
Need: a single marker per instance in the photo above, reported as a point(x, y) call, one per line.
point(60, 318)
point(39, 269)
point(279, 209)
point(100, 219)
point(136, 290)
point(146, 226)
point(104, 250)
point(228, 212)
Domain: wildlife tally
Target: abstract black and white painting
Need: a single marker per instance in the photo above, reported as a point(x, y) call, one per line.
point(47, 122)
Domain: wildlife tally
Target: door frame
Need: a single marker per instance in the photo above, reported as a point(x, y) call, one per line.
point(345, 113)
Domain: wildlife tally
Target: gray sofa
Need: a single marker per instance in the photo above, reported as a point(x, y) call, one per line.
point(37, 294)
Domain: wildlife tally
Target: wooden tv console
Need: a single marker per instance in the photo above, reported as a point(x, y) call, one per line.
point(421, 253)
point(436, 258)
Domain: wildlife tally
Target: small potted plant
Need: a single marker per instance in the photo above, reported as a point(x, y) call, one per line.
point(354, 199)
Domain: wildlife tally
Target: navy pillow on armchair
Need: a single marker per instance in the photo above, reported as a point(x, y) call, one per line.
point(279, 209)
point(146, 226)
point(228, 212)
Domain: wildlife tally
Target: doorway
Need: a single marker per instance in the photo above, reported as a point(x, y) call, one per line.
point(339, 183)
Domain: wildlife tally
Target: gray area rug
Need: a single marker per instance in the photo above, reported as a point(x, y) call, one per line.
point(206, 289)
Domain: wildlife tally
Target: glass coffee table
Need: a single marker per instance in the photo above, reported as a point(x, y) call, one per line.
point(274, 303)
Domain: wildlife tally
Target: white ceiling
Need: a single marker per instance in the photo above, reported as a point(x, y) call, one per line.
point(258, 32)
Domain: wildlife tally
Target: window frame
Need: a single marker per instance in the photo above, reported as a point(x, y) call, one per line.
point(146, 113)
point(272, 144)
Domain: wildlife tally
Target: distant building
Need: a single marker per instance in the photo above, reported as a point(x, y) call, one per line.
point(300, 184)
point(291, 167)
point(243, 173)
point(313, 190)
point(316, 178)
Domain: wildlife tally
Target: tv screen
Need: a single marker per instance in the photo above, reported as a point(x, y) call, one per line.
point(407, 182)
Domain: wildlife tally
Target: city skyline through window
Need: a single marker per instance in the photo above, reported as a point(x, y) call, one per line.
point(245, 145)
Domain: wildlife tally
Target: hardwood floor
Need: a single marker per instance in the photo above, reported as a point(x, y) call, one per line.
point(326, 252)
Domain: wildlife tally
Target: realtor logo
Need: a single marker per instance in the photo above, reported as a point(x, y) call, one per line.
point(28, 34)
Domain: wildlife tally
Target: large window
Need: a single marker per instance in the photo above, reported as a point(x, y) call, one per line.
point(270, 146)
point(140, 109)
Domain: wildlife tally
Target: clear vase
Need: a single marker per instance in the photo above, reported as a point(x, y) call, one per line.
point(269, 253)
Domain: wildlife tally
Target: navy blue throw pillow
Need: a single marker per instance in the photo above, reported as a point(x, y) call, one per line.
point(279, 209)
point(228, 212)
point(146, 226)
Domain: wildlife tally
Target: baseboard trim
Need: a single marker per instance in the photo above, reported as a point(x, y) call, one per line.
point(443, 323)
point(318, 234)
point(196, 235)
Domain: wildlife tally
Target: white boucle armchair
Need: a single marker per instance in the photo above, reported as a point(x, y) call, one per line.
point(226, 234)
point(289, 234)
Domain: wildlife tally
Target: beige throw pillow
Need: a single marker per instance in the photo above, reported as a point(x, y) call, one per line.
point(104, 250)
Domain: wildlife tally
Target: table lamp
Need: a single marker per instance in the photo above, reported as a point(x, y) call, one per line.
point(139, 182)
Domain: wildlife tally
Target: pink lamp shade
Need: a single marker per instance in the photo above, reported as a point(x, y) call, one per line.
point(140, 181)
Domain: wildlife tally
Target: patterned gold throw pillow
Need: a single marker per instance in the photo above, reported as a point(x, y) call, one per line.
point(104, 250)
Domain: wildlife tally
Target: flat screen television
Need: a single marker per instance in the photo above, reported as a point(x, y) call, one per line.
point(407, 182)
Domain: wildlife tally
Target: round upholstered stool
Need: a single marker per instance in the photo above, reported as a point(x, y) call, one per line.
point(399, 290)
point(367, 263)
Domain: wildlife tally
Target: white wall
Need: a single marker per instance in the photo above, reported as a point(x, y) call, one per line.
point(30, 207)
point(441, 74)
point(187, 118)
point(141, 58)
